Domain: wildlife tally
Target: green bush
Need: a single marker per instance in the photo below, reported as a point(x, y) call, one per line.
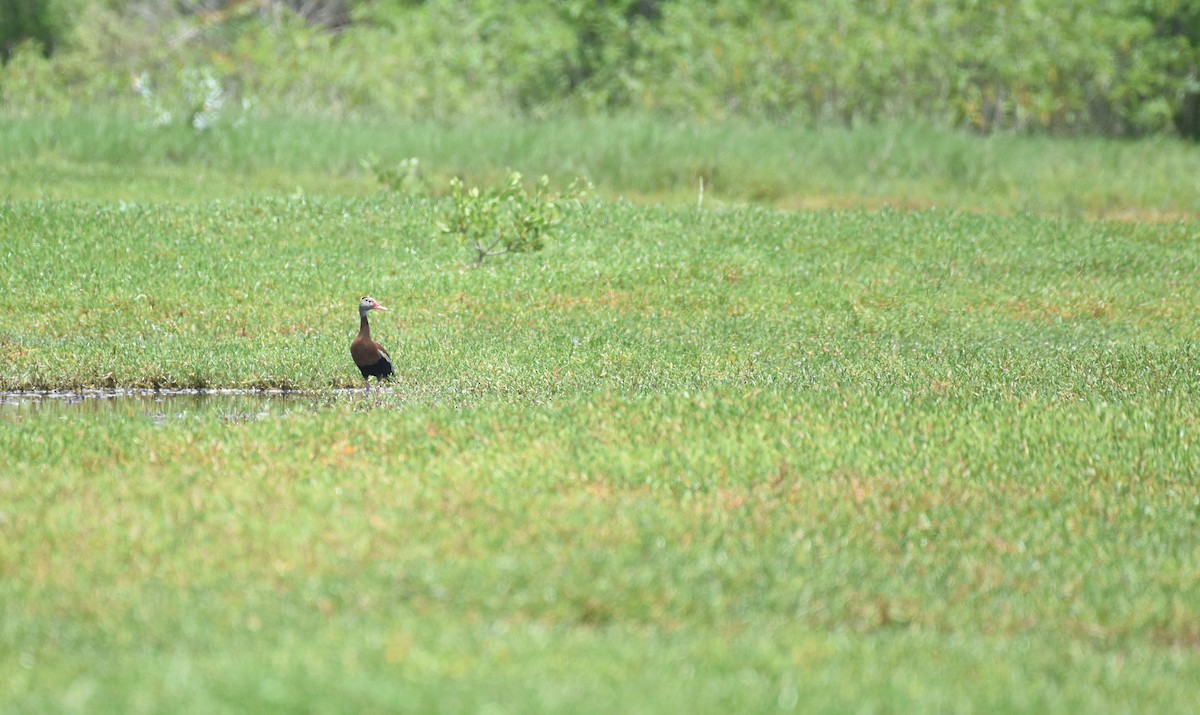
point(1122, 67)
point(1066, 66)
point(505, 218)
point(40, 22)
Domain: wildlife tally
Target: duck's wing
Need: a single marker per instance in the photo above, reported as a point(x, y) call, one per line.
point(383, 354)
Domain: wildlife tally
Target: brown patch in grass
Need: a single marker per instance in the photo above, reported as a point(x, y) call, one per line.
point(1185, 635)
point(838, 202)
point(297, 329)
point(609, 299)
point(11, 350)
point(1141, 215)
point(1070, 310)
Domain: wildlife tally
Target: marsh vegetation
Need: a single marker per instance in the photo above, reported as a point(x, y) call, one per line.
point(892, 417)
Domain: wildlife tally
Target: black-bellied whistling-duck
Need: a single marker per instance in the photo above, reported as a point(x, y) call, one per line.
point(369, 355)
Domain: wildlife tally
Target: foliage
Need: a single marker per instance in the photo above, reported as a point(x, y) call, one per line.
point(1125, 67)
point(406, 177)
point(1054, 65)
point(40, 23)
point(203, 98)
point(717, 461)
point(505, 218)
point(97, 157)
point(236, 293)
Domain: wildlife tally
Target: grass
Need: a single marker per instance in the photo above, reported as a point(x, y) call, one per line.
point(711, 460)
point(713, 551)
point(261, 294)
point(104, 158)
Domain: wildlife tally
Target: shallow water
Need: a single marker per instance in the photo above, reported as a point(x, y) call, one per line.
point(161, 406)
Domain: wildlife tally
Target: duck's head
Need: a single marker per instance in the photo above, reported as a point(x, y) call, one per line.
point(367, 304)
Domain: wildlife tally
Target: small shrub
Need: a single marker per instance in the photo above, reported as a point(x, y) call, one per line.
point(202, 99)
point(406, 177)
point(42, 22)
point(506, 218)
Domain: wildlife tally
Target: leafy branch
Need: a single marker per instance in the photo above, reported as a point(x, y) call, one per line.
point(506, 218)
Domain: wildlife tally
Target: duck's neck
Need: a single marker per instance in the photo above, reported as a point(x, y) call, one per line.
point(364, 328)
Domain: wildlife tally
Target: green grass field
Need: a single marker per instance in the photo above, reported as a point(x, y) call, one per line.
point(110, 159)
point(729, 459)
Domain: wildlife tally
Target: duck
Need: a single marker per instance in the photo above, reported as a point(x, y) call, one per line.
point(370, 357)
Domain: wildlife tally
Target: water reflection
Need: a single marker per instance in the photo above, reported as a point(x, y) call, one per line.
point(163, 406)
